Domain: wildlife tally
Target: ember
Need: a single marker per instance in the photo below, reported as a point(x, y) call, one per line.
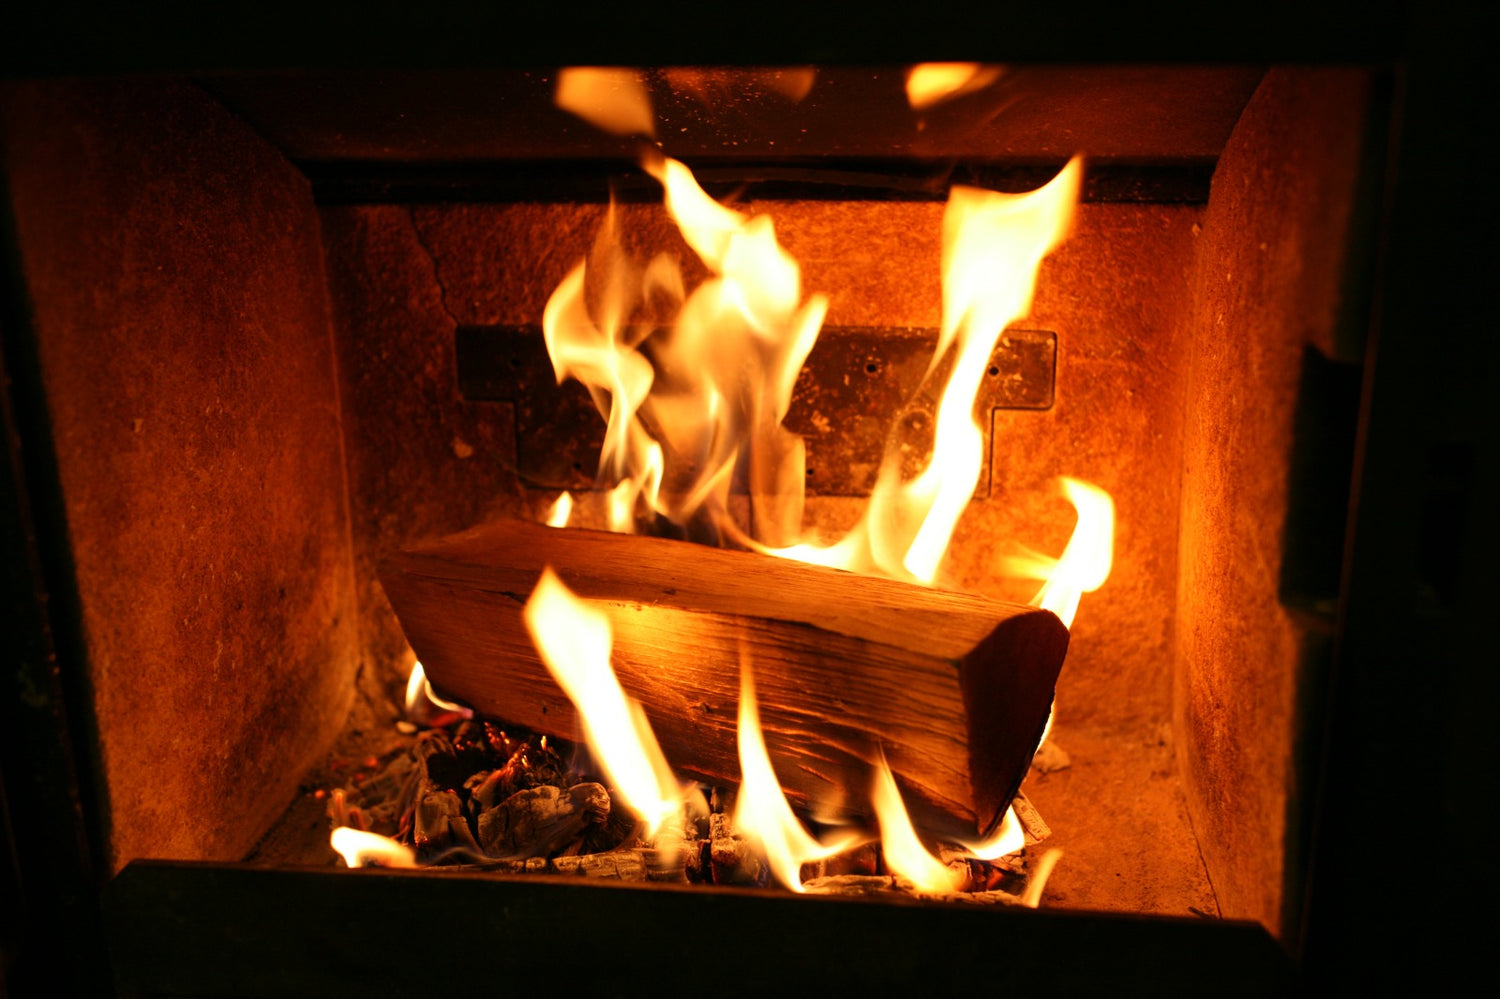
point(468, 796)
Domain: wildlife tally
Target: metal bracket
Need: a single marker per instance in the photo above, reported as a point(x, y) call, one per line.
point(860, 385)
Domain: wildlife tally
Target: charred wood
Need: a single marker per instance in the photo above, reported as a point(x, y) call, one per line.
point(957, 687)
point(542, 821)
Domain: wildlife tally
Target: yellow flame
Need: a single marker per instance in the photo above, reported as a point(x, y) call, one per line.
point(1086, 560)
point(1038, 879)
point(1009, 838)
point(359, 848)
point(719, 381)
point(993, 246)
point(904, 853)
point(711, 400)
point(761, 811)
point(414, 684)
point(612, 99)
point(574, 640)
point(561, 510)
point(420, 697)
point(931, 83)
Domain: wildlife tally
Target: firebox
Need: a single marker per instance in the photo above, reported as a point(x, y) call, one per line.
point(267, 329)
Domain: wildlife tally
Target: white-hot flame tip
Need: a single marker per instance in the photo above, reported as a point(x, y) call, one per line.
point(561, 510)
point(1007, 839)
point(360, 848)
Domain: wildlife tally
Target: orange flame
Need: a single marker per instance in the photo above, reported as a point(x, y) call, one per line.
point(993, 245)
point(904, 853)
point(360, 849)
point(574, 641)
point(931, 83)
point(761, 811)
point(719, 381)
point(611, 99)
point(561, 510)
point(1086, 560)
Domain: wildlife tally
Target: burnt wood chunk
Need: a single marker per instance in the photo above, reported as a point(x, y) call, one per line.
point(541, 821)
point(955, 687)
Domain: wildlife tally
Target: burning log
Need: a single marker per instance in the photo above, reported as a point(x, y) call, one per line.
point(956, 687)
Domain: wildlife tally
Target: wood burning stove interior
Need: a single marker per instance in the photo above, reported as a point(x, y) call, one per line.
point(262, 307)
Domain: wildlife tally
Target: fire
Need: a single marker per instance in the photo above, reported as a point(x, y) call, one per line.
point(761, 811)
point(360, 849)
point(904, 853)
point(719, 378)
point(561, 511)
point(694, 385)
point(574, 640)
point(421, 698)
point(611, 99)
point(1037, 883)
point(931, 83)
point(1009, 838)
point(718, 382)
point(1086, 560)
point(993, 245)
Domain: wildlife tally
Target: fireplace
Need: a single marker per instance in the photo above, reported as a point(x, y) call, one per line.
point(252, 351)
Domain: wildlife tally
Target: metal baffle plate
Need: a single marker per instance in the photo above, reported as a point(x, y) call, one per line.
point(860, 387)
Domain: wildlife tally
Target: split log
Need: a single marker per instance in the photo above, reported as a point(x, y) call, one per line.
point(955, 687)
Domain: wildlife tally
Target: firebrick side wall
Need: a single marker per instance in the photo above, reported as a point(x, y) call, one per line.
point(1267, 288)
point(174, 269)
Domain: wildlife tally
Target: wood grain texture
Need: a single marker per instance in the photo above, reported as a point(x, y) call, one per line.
point(955, 687)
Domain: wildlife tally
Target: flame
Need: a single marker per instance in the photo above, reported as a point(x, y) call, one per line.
point(617, 376)
point(611, 99)
point(719, 378)
point(561, 510)
point(574, 640)
point(904, 853)
point(421, 698)
point(930, 83)
point(359, 849)
point(1009, 838)
point(1086, 560)
point(712, 396)
point(993, 245)
point(761, 811)
point(1038, 880)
